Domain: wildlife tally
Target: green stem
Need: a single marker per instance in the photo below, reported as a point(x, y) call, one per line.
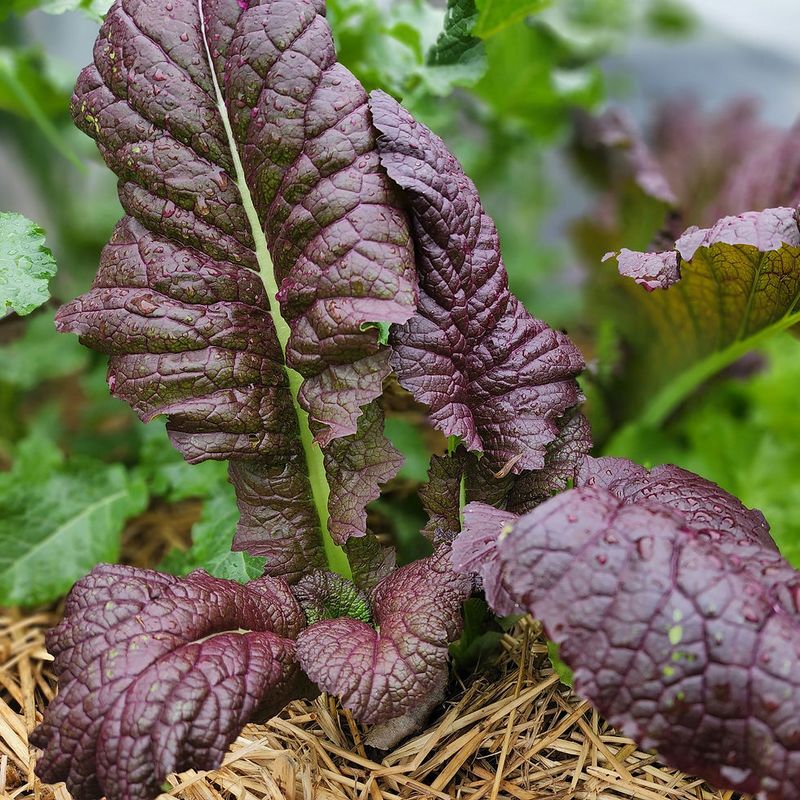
point(684, 385)
point(318, 479)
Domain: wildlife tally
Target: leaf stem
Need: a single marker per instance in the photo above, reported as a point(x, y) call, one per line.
point(318, 479)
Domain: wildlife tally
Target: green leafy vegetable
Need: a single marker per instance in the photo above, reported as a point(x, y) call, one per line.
point(95, 9)
point(58, 519)
point(458, 57)
point(39, 354)
point(26, 265)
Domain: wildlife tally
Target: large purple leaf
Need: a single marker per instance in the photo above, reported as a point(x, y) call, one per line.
point(678, 617)
point(247, 167)
point(159, 674)
point(489, 372)
point(385, 671)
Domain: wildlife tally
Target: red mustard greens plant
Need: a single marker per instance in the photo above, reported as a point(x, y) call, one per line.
point(290, 242)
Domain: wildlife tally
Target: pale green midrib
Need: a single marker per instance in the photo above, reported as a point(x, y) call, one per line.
point(320, 490)
point(678, 390)
point(65, 526)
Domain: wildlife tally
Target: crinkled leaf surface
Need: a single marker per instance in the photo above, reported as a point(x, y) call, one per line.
point(724, 288)
point(684, 635)
point(475, 552)
point(702, 503)
point(158, 674)
point(357, 466)
point(489, 372)
point(58, 519)
point(385, 671)
point(247, 164)
point(26, 265)
point(325, 595)
point(370, 561)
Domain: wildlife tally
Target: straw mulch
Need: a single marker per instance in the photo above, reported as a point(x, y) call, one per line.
point(514, 732)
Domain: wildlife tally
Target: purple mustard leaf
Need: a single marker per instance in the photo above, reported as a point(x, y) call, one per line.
point(674, 610)
point(562, 459)
point(722, 285)
point(686, 640)
point(247, 163)
point(489, 372)
point(384, 672)
point(765, 230)
point(474, 552)
point(703, 504)
point(277, 518)
point(651, 270)
point(357, 466)
point(523, 492)
point(440, 496)
point(612, 150)
point(158, 674)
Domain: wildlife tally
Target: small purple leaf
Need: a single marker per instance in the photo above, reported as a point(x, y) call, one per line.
point(475, 552)
point(384, 672)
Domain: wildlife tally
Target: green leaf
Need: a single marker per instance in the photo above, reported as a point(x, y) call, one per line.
point(59, 519)
point(168, 475)
point(559, 667)
point(535, 78)
point(480, 639)
point(458, 57)
point(28, 88)
point(26, 265)
point(498, 14)
point(410, 441)
point(212, 535)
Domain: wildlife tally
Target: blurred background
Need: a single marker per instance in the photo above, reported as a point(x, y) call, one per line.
point(709, 91)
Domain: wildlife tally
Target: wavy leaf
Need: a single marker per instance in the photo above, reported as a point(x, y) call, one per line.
point(159, 674)
point(489, 372)
point(385, 672)
point(711, 300)
point(26, 265)
point(248, 169)
point(72, 515)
